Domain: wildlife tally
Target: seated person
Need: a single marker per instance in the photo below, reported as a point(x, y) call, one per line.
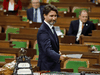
point(35, 13)
point(12, 5)
point(81, 26)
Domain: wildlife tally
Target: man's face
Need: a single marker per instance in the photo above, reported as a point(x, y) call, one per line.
point(35, 4)
point(83, 17)
point(51, 17)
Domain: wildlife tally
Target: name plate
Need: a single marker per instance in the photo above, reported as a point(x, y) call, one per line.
point(24, 71)
point(23, 65)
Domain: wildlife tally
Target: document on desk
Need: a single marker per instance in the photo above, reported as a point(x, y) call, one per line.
point(74, 55)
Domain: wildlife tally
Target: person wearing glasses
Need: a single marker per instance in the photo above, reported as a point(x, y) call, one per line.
point(35, 13)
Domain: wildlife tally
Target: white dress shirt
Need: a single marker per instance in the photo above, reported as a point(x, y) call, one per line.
point(50, 26)
point(79, 30)
point(39, 20)
point(11, 7)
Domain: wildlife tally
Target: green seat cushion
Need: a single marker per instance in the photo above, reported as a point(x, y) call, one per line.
point(97, 46)
point(24, 19)
point(94, 20)
point(62, 9)
point(37, 49)
point(2, 58)
point(75, 65)
point(19, 44)
point(1, 0)
point(53, 1)
point(62, 31)
point(11, 30)
point(78, 10)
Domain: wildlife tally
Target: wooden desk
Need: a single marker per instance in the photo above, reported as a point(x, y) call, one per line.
point(74, 47)
point(89, 39)
point(31, 37)
point(30, 52)
point(28, 31)
point(67, 39)
point(94, 58)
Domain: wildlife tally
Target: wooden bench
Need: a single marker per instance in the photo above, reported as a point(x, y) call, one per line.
point(31, 37)
point(74, 47)
point(67, 39)
point(89, 39)
point(28, 31)
point(94, 58)
point(6, 44)
point(30, 52)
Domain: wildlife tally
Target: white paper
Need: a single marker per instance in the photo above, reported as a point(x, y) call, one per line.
point(24, 65)
point(24, 71)
point(74, 55)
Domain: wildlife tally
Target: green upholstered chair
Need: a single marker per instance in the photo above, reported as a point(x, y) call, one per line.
point(97, 46)
point(20, 43)
point(76, 63)
point(53, 1)
point(95, 20)
point(11, 30)
point(4, 56)
point(62, 9)
point(37, 50)
point(35, 57)
point(78, 10)
point(63, 30)
point(1, 0)
point(24, 19)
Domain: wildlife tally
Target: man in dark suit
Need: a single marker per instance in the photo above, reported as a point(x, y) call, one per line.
point(35, 13)
point(49, 57)
point(81, 26)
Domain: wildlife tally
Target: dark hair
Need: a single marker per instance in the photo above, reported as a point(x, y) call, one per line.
point(48, 8)
point(16, 1)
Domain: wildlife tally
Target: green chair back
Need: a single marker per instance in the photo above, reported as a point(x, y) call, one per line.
point(95, 20)
point(24, 19)
point(2, 58)
point(19, 44)
point(75, 65)
point(11, 30)
point(62, 9)
point(62, 31)
point(97, 46)
point(37, 49)
point(1, 0)
point(78, 10)
point(53, 1)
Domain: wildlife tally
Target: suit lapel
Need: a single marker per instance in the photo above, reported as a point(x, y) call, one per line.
point(86, 25)
point(50, 32)
point(32, 12)
point(77, 25)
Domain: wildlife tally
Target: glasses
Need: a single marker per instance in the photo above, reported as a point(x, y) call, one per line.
point(35, 2)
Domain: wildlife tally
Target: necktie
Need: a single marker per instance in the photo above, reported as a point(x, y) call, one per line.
point(55, 35)
point(35, 18)
point(82, 26)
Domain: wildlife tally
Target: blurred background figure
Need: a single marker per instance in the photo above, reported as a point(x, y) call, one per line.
point(12, 5)
point(35, 13)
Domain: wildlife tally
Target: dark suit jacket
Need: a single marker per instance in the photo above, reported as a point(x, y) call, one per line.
point(73, 29)
point(17, 6)
point(30, 13)
point(48, 49)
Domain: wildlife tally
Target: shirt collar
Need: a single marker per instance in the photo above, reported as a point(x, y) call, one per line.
point(50, 26)
point(80, 21)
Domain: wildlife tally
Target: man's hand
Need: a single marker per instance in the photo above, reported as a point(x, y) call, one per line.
point(62, 57)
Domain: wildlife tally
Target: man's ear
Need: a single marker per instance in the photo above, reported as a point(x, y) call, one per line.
point(44, 15)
